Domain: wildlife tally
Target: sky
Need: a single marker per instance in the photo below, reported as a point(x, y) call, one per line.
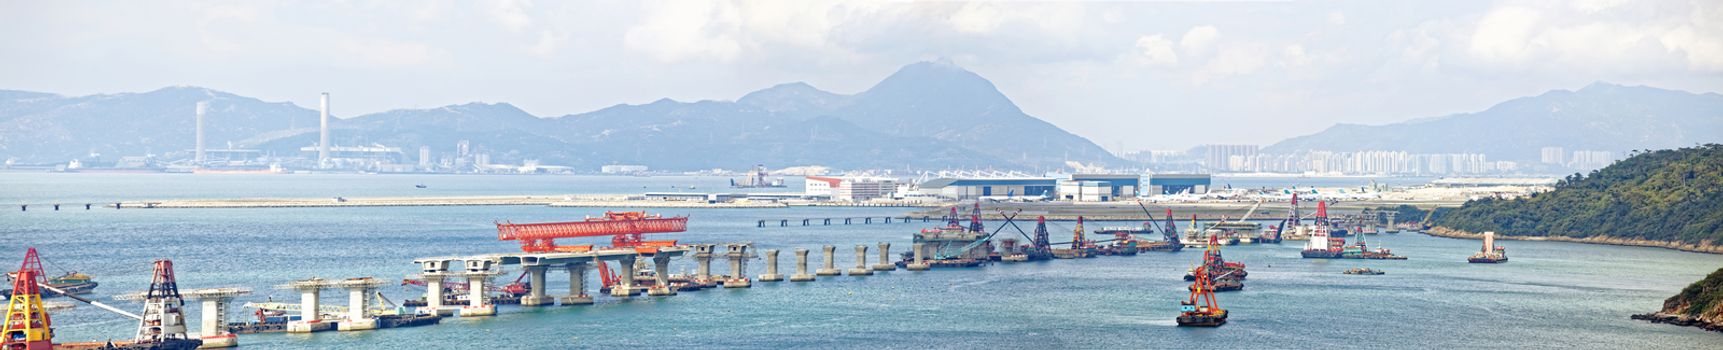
point(1129, 75)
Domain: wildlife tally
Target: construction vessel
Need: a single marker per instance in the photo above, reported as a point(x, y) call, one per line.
point(1491, 253)
point(1039, 248)
point(1201, 310)
point(1227, 276)
point(29, 327)
point(1324, 245)
point(1080, 248)
point(951, 246)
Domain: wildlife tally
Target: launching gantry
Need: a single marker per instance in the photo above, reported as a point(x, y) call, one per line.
point(213, 323)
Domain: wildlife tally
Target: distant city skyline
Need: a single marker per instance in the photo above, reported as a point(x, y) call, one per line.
point(1127, 75)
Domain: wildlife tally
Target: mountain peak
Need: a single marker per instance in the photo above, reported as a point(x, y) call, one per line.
point(938, 81)
point(790, 97)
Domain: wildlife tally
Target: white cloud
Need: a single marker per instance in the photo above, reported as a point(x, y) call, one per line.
point(386, 52)
point(1702, 53)
point(681, 31)
point(1293, 56)
point(1156, 50)
point(1198, 39)
point(1504, 34)
point(1337, 18)
point(512, 14)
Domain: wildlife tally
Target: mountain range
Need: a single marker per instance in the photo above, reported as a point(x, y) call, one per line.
point(927, 115)
point(1600, 116)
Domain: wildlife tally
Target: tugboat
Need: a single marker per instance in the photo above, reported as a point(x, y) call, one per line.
point(1362, 271)
point(1491, 253)
point(1201, 310)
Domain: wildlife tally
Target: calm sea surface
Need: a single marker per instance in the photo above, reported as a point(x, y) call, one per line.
point(1551, 295)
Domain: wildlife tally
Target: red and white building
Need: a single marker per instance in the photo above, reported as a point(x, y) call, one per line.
point(851, 188)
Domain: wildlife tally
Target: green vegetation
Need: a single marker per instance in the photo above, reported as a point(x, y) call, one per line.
point(1665, 195)
point(1698, 298)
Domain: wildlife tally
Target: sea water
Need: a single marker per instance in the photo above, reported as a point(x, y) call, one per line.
point(1550, 294)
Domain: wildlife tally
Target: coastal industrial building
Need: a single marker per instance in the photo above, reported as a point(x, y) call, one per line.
point(850, 188)
point(1099, 187)
point(1162, 184)
point(1074, 187)
point(622, 169)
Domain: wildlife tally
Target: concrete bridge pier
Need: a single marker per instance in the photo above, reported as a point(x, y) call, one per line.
point(535, 295)
point(625, 278)
point(829, 269)
point(920, 263)
point(771, 267)
point(576, 286)
point(885, 259)
point(661, 276)
point(738, 254)
point(861, 268)
point(479, 274)
point(359, 292)
point(310, 295)
point(801, 267)
point(703, 256)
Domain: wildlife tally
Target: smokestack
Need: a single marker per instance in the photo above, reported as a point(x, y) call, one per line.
point(199, 158)
point(323, 133)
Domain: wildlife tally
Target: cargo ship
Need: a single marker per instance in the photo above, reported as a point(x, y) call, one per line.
point(1491, 253)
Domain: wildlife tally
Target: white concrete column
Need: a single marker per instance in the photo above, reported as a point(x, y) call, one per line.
point(577, 286)
point(212, 323)
point(801, 267)
point(535, 292)
point(884, 258)
point(308, 304)
point(829, 268)
point(661, 276)
point(771, 267)
point(861, 268)
point(434, 292)
point(625, 278)
point(920, 263)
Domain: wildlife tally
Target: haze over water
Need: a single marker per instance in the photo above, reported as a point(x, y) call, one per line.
point(1550, 295)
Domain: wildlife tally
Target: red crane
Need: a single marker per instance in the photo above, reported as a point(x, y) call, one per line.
point(625, 229)
point(27, 324)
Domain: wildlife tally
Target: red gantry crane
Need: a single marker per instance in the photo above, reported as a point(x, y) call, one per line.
point(625, 229)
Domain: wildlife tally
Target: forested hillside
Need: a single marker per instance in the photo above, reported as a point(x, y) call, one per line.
point(1666, 196)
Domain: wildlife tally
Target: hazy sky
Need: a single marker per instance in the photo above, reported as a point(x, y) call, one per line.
point(1149, 74)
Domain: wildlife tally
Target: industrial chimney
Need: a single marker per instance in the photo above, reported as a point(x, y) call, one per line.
point(199, 158)
point(323, 133)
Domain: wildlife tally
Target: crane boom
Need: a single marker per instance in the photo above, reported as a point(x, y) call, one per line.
point(91, 302)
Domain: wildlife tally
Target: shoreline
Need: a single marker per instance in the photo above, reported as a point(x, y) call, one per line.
point(560, 201)
point(1679, 320)
point(1686, 247)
